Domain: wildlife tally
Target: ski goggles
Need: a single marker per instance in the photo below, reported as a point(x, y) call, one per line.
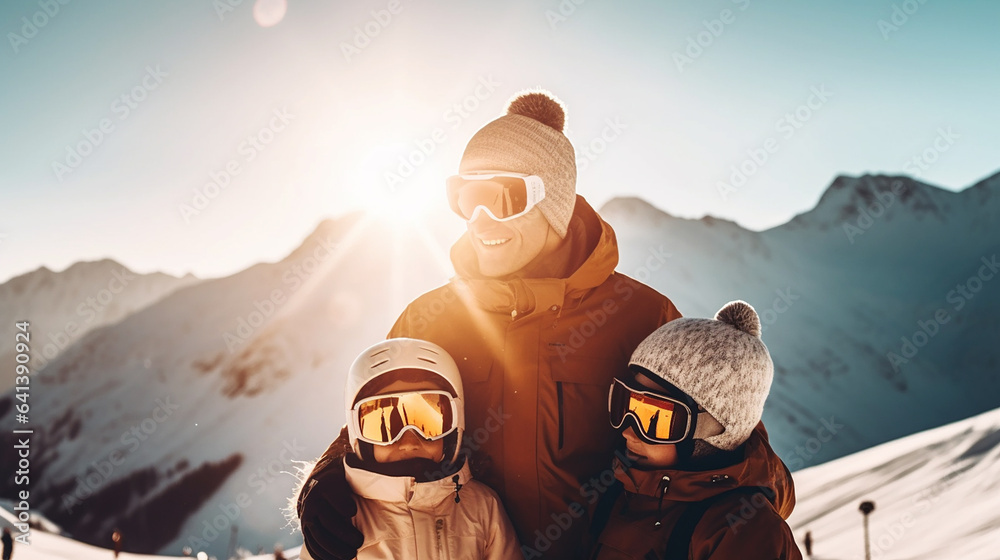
point(657, 418)
point(383, 419)
point(501, 195)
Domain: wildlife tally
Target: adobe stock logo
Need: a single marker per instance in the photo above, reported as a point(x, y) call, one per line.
point(921, 162)
point(590, 151)
point(365, 33)
point(928, 328)
point(900, 15)
point(424, 148)
point(788, 125)
point(122, 107)
point(562, 13)
point(697, 44)
point(867, 214)
point(249, 149)
point(31, 26)
point(98, 474)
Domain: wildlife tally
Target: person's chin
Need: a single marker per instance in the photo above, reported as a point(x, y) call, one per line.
point(496, 261)
point(635, 457)
point(406, 456)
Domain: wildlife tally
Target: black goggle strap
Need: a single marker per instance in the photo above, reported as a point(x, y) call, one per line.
point(707, 426)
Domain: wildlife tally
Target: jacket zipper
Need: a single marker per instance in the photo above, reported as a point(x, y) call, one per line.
point(559, 401)
point(664, 488)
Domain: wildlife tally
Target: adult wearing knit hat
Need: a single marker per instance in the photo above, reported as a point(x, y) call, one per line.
point(531, 275)
point(529, 139)
point(698, 478)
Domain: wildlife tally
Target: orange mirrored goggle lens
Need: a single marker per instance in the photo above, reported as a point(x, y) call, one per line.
point(504, 197)
point(655, 417)
point(382, 419)
point(659, 419)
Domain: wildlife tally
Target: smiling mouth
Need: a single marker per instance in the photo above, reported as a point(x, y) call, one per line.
point(493, 242)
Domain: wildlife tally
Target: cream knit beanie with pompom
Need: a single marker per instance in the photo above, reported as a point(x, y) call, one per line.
point(529, 139)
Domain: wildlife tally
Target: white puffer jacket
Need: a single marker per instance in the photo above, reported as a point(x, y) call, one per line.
point(407, 520)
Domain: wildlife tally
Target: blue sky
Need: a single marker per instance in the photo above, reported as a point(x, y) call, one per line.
point(330, 126)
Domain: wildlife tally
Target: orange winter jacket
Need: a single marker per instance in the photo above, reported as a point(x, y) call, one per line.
point(737, 525)
point(537, 355)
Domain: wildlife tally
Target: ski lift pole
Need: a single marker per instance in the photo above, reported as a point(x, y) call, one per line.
point(866, 508)
point(231, 553)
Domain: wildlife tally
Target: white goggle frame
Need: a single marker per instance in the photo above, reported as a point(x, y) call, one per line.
point(533, 185)
point(457, 412)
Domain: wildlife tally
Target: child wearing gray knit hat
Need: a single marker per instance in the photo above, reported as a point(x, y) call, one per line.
point(698, 478)
point(721, 363)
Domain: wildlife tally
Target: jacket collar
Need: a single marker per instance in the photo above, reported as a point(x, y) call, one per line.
point(405, 489)
point(521, 296)
point(760, 466)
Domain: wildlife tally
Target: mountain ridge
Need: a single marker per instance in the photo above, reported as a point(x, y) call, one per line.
point(62, 306)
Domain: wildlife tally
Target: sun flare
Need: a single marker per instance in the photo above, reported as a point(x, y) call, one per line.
point(268, 13)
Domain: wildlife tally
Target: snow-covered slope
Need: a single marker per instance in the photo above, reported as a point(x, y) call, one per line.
point(935, 496)
point(63, 306)
point(50, 546)
point(838, 288)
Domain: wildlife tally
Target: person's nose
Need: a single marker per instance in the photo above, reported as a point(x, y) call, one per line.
point(410, 441)
point(630, 435)
point(482, 221)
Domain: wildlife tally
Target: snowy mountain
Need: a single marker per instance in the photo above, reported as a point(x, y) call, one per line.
point(931, 493)
point(63, 306)
point(881, 306)
point(185, 418)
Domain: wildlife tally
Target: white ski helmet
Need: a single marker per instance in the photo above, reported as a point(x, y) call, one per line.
point(397, 354)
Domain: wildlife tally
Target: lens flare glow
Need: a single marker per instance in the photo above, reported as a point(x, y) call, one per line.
point(268, 13)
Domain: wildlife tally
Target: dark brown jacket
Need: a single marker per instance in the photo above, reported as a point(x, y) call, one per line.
point(537, 355)
point(738, 525)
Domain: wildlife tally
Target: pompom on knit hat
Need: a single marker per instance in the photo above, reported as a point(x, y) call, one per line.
point(721, 363)
point(529, 139)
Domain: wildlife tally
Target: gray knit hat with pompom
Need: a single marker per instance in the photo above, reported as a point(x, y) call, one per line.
point(529, 139)
point(721, 363)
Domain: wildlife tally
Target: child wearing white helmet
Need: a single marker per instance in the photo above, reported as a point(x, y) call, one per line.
point(414, 493)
